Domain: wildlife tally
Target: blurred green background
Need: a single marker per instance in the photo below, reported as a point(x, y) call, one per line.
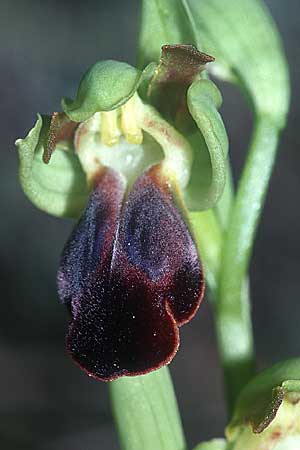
point(47, 403)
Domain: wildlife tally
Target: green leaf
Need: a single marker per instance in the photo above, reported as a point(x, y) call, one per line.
point(59, 187)
point(215, 444)
point(104, 87)
point(260, 400)
point(146, 412)
point(243, 38)
point(162, 22)
point(210, 146)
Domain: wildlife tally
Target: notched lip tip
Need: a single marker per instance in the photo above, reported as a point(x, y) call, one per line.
point(127, 374)
point(194, 312)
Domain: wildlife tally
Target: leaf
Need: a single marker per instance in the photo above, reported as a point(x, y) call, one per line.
point(104, 87)
point(261, 399)
point(243, 38)
point(59, 187)
point(210, 146)
point(162, 22)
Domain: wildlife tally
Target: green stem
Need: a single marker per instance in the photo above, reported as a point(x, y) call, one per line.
point(210, 232)
point(146, 412)
point(235, 343)
point(209, 238)
point(232, 312)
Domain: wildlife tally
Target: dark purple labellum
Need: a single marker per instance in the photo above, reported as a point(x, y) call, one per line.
point(130, 276)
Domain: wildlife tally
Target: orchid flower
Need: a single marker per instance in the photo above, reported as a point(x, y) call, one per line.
point(131, 156)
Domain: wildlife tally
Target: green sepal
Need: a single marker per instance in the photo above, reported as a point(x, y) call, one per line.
point(210, 145)
point(214, 444)
point(105, 86)
point(58, 188)
point(261, 399)
point(243, 38)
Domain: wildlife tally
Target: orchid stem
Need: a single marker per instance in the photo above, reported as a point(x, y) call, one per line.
point(146, 412)
point(235, 342)
point(232, 312)
point(211, 233)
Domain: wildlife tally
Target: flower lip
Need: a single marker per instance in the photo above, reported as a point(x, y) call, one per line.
point(130, 275)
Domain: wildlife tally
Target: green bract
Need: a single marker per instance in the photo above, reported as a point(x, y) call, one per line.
point(104, 87)
point(58, 188)
point(244, 40)
point(267, 410)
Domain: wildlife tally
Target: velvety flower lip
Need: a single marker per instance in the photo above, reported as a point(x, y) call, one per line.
point(130, 276)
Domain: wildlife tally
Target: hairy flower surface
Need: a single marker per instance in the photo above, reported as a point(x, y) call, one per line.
point(130, 276)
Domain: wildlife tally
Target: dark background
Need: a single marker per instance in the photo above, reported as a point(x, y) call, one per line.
point(46, 403)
